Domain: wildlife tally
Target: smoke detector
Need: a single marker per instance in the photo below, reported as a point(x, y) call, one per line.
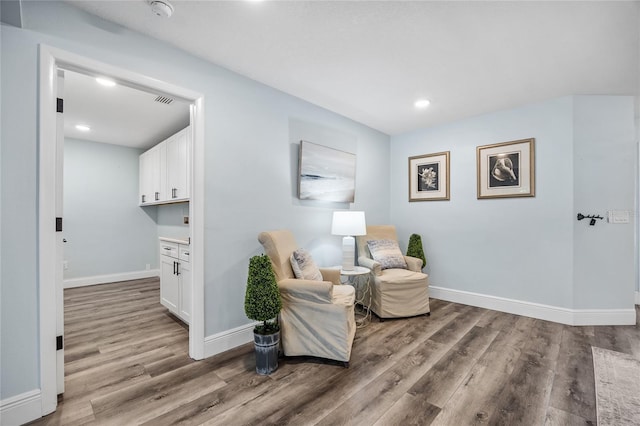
point(162, 8)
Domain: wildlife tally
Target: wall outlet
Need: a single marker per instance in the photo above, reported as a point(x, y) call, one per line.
point(65, 265)
point(147, 266)
point(185, 220)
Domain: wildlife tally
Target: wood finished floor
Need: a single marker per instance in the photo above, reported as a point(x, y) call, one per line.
point(127, 364)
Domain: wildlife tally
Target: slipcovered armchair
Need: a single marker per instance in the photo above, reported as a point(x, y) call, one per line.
point(317, 317)
point(397, 290)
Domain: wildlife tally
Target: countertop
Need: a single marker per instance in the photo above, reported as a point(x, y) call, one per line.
point(184, 241)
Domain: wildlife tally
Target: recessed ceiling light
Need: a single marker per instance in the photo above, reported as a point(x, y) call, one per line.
point(83, 127)
point(105, 81)
point(422, 103)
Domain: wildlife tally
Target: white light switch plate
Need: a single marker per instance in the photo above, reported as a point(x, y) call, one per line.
point(618, 216)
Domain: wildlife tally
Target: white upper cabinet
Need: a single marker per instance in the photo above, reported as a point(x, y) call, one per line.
point(165, 170)
point(178, 170)
point(151, 169)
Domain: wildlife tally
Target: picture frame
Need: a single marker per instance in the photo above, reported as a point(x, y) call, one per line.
point(429, 177)
point(506, 169)
point(326, 174)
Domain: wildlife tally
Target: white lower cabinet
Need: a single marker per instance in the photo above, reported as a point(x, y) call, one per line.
point(175, 279)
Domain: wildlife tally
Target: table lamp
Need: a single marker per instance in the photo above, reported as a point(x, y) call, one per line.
point(348, 224)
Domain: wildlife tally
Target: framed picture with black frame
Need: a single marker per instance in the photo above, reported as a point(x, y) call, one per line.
point(506, 169)
point(429, 177)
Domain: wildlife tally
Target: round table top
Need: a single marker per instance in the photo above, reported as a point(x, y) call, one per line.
point(357, 270)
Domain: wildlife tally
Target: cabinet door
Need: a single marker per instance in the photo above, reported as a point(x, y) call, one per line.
point(185, 291)
point(177, 165)
point(158, 172)
point(169, 284)
point(152, 175)
point(144, 196)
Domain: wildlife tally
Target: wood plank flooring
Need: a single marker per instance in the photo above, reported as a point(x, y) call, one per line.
point(127, 363)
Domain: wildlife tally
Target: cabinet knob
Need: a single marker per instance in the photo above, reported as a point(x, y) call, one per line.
point(157, 196)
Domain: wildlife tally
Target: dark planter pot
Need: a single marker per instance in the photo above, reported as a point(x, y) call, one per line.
point(267, 346)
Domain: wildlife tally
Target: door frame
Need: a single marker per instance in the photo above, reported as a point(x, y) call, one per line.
point(50, 59)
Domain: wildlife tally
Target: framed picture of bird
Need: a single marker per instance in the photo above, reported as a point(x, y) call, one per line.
point(429, 177)
point(506, 169)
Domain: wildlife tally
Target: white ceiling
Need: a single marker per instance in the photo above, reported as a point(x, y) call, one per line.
point(119, 115)
point(371, 60)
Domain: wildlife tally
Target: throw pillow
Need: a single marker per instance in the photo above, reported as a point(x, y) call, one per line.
point(387, 253)
point(303, 266)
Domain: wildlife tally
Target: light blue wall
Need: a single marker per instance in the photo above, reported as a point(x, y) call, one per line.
point(604, 179)
point(19, 370)
point(531, 249)
point(106, 231)
point(515, 248)
point(170, 220)
point(249, 160)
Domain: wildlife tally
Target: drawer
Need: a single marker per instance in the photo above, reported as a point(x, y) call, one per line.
point(169, 249)
point(184, 253)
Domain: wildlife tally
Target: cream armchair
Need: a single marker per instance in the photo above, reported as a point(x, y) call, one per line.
point(394, 292)
point(317, 317)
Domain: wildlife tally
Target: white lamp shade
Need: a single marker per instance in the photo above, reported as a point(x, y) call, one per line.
point(348, 223)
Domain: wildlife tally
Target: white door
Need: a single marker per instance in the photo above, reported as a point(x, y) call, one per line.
point(59, 239)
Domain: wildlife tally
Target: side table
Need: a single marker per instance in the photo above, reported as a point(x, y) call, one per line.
point(359, 278)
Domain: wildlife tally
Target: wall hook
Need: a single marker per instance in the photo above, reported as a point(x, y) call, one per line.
point(590, 216)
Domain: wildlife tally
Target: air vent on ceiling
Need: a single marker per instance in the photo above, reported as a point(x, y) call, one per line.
point(164, 100)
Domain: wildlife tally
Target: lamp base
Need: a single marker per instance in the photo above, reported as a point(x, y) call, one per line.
point(348, 253)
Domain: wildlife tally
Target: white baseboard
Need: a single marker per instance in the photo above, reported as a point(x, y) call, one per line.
point(537, 310)
point(229, 339)
point(604, 317)
point(21, 409)
point(110, 278)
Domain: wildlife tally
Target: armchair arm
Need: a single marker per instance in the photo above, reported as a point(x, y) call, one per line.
point(371, 264)
point(330, 274)
point(413, 263)
point(308, 290)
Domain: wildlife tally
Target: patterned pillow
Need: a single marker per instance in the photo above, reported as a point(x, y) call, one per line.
point(387, 253)
point(303, 266)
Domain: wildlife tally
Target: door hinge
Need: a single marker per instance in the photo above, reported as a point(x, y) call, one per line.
point(59, 105)
point(59, 343)
point(58, 224)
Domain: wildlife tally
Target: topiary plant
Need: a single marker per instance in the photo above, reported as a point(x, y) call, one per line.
point(415, 248)
point(262, 298)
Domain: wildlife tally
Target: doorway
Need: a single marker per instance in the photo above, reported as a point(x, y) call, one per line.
point(106, 238)
point(50, 240)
